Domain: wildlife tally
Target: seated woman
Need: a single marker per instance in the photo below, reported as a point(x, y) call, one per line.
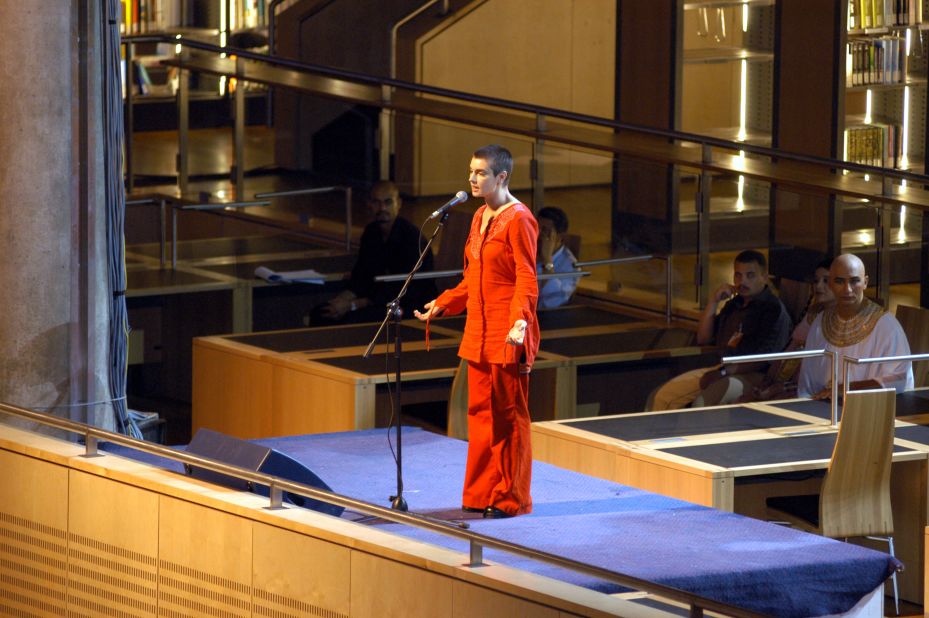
point(780, 382)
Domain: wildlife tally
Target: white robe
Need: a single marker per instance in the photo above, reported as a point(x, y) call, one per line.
point(887, 339)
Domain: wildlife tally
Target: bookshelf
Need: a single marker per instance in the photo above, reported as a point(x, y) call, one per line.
point(726, 91)
point(885, 84)
point(237, 23)
point(146, 16)
point(726, 72)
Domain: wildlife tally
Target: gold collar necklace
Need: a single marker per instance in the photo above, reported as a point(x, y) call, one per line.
point(843, 333)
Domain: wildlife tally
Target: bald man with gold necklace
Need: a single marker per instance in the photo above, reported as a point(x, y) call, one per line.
point(856, 327)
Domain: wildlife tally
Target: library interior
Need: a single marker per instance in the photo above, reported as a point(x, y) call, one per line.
point(210, 410)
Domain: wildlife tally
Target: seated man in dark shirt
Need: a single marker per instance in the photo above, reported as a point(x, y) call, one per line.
point(390, 245)
point(753, 321)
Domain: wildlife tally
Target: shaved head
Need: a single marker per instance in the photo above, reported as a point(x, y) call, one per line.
point(848, 281)
point(848, 260)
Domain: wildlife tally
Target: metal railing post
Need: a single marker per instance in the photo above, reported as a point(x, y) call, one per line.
point(276, 497)
point(183, 125)
point(162, 234)
point(702, 204)
point(174, 237)
point(129, 117)
point(537, 169)
point(90, 446)
point(669, 289)
point(882, 247)
point(476, 557)
point(238, 133)
point(348, 218)
point(834, 403)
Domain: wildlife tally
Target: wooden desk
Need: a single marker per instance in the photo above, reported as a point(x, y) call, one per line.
point(314, 380)
point(733, 457)
point(614, 359)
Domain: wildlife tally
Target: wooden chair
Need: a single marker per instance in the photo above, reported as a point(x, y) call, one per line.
point(795, 295)
point(854, 500)
point(458, 403)
point(915, 323)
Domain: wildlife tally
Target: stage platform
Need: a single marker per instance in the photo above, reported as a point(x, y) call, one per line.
point(755, 565)
point(734, 457)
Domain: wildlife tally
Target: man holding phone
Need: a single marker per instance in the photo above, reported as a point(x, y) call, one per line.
point(752, 321)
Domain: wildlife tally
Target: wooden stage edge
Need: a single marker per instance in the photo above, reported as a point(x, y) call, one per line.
point(111, 535)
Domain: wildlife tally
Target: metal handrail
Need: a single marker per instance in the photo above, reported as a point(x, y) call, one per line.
point(440, 274)
point(277, 486)
point(314, 190)
point(669, 292)
point(538, 110)
point(202, 207)
point(848, 360)
point(754, 358)
point(621, 260)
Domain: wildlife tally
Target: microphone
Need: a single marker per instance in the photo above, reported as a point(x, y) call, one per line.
point(460, 197)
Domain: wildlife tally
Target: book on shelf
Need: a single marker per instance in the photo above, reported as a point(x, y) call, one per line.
point(879, 60)
point(876, 144)
point(870, 14)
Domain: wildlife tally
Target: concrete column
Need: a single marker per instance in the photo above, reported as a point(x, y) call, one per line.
point(51, 210)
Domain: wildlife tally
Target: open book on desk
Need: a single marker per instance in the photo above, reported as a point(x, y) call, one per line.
point(291, 276)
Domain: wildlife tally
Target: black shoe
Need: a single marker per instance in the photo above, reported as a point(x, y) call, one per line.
point(492, 512)
point(471, 509)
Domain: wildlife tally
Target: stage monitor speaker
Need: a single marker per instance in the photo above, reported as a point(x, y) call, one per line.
point(264, 459)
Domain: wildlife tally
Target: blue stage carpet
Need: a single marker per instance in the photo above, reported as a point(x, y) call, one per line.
point(730, 558)
point(745, 562)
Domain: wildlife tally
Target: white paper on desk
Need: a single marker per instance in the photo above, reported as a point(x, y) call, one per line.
point(290, 276)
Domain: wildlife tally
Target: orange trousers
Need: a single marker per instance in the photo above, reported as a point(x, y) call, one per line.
point(499, 469)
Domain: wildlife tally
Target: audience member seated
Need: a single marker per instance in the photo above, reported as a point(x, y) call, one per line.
point(857, 327)
point(390, 245)
point(553, 256)
point(753, 321)
point(781, 379)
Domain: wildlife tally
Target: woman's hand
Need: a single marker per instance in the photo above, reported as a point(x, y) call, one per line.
point(431, 311)
point(517, 333)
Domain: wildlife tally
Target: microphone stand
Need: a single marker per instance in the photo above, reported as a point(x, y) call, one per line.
point(395, 313)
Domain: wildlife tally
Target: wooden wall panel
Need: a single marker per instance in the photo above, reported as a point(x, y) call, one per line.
point(555, 54)
point(33, 537)
point(475, 602)
point(205, 561)
point(113, 548)
point(402, 591)
point(295, 575)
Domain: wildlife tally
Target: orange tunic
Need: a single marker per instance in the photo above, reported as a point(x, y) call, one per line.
point(498, 288)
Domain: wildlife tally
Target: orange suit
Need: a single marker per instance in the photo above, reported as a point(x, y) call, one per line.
point(498, 288)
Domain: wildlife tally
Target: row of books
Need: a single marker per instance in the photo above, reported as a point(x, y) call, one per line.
point(139, 16)
point(873, 144)
point(863, 14)
point(876, 61)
